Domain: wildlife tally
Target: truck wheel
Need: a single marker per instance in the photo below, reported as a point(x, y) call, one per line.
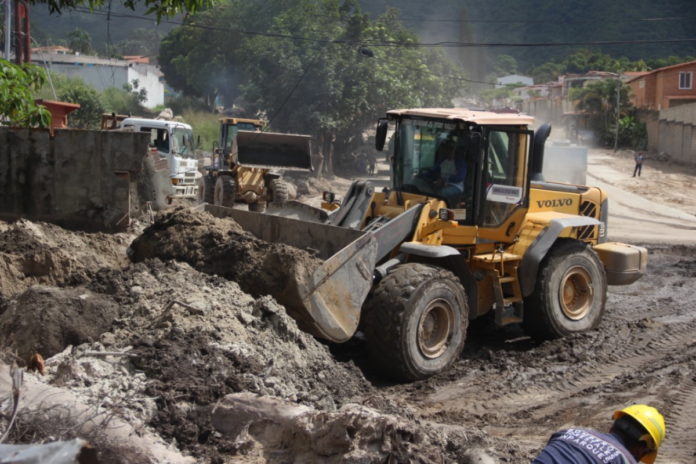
point(279, 192)
point(416, 321)
point(569, 294)
point(208, 189)
point(225, 191)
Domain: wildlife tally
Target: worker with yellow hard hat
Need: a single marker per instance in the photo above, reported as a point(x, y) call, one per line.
point(636, 435)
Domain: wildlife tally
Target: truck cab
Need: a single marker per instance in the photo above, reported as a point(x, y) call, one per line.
point(173, 141)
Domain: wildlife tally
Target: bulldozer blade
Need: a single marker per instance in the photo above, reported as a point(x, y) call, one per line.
point(274, 150)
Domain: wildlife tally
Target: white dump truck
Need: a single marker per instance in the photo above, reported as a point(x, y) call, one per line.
point(174, 142)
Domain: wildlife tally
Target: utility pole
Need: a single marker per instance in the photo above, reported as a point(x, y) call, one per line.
point(618, 111)
point(8, 28)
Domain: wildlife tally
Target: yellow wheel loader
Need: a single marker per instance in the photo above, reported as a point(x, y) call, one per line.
point(468, 227)
point(246, 162)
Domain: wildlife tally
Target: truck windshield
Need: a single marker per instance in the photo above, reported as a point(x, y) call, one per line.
point(182, 142)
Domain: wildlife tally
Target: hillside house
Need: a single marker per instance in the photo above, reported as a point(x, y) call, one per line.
point(664, 88)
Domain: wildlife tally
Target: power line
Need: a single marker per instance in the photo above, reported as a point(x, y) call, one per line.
point(398, 44)
point(517, 21)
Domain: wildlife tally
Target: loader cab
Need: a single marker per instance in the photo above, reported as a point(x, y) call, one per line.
point(229, 128)
point(487, 175)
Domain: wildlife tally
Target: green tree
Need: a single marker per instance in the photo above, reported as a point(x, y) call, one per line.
point(598, 100)
point(75, 90)
point(141, 41)
point(160, 8)
point(121, 101)
point(80, 41)
point(504, 65)
point(332, 87)
point(17, 106)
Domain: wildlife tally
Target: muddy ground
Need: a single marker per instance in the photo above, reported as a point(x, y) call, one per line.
point(175, 339)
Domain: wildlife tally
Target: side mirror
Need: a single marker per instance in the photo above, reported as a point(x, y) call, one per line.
point(381, 134)
point(198, 141)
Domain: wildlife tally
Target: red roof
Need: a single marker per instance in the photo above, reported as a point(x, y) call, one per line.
point(665, 68)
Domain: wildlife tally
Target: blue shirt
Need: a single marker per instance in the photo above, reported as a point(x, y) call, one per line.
point(583, 446)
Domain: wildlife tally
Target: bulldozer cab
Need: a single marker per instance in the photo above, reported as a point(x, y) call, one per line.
point(478, 162)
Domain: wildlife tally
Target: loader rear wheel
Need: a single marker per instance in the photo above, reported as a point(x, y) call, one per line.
point(279, 192)
point(570, 292)
point(225, 190)
point(416, 321)
point(208, 189)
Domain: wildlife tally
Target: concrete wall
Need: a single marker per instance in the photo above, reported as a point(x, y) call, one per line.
point(90, 180)
point(148, 79)
point(678, 140)
point(683, 113)
point(672, 132)
point(101, 77)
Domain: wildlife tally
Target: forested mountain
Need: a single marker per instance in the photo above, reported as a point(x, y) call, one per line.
point(499, 21)
point(548, 21)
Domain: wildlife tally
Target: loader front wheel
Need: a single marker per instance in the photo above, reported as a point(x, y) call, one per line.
point(569, 294)
point(225, 190)
point(208, 188)
point(258, 207)
point(279, 192)
point(416, 321)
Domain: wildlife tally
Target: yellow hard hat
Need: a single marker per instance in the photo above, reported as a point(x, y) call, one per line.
point(652, 421)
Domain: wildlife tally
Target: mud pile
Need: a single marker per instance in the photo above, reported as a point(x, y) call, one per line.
point(45, 320)
point(219, 246)
point(40, 253)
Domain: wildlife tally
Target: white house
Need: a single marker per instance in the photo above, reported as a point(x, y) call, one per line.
point(513, 79)
point(103, 73)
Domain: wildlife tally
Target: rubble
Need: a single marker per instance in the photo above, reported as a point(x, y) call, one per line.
point(353, 434)
point(41, 253)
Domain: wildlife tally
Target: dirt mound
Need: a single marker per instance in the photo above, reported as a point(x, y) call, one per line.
point(40, 253)
point(198, 337)
point(219, 246)
point(45, 320)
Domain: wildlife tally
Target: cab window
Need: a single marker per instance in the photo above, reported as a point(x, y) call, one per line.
point(504, 183)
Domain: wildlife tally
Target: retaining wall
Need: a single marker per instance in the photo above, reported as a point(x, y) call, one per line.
point(90, 180)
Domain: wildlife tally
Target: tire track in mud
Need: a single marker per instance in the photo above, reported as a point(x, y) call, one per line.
point(539, 400)
point(681, 423)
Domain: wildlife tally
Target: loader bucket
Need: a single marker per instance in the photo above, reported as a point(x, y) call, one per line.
point(274, 150)
point(328, 303)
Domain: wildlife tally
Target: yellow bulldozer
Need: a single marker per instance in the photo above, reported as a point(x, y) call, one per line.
point(245, 165)
point(411, 265)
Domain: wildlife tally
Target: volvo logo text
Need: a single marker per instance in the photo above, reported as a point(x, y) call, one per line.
point(554, 203)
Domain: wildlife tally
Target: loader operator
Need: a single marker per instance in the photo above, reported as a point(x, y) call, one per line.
point(635, 436)
point(446, 178)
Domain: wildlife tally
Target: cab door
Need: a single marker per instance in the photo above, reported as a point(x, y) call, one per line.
point(503, 183)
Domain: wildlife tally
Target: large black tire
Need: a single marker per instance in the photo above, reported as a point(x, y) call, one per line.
point(415, 321)
point(279, 192)
point(225, 190)
point(258, 207)
point(208, 188)
point(570, 292)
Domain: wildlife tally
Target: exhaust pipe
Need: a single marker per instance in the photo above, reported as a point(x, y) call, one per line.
point(537, 163)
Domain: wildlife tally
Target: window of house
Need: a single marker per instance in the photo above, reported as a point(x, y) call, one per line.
point(685, 80)
point(641, 84)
